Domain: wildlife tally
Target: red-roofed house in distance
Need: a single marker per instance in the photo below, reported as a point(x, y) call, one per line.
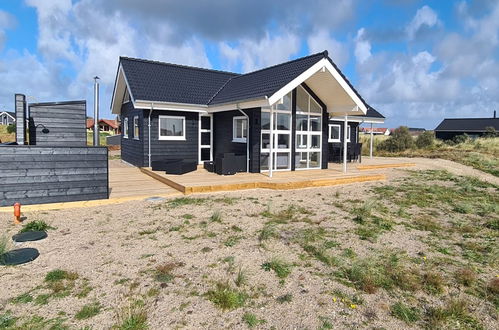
point(110, 126)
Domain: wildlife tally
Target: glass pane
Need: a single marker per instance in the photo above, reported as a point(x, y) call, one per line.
point(205, 122)
point(171, 127)
point(244, 128)
point(314, 106)
point(264, 161)
point(315, 142)
point(265, 120)
point(301, 122)
point(335, 132)
point(301, 159)
point(282, 160)
point(265, 141)
point(301, 99)
point(301, 141)
point(205, 138)
point(205, 154)
point(315, 124)
point(283, 141)
point(283, 121)
point(286, 104)
point(314, 159)
point(239, 128)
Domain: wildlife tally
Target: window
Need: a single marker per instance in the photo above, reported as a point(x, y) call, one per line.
point(239, 129)
point(136, 127)
point(171, 128)
point(349, 131)
point(125, 127)
point(334, 133)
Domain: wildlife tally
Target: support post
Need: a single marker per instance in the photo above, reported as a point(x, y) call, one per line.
point(96, 111)
point(371, 143)
point(271, 154)
point(345, 135)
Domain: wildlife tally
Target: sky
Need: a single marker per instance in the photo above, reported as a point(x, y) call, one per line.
point(415, 61)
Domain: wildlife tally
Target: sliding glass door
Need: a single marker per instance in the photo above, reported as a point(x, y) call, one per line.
point(308, 150)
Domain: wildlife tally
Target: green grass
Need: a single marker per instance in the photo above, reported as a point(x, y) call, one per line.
point(285, 298)
point(216, 217)
point(252, 320)
point(241, 278)
point(7, 320)
point(183, 201)
point(22, 298)
point(453, 315)
point(37, 225)
point(59, 275)
point(4, 246)
point(225, 297)
point(164, 273)
point(281, 268)
point(405, 313)
point(132, 316)
point(231, 241)
point(88, 311)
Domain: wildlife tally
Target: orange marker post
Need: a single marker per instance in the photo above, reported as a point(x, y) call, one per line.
point(17, 213)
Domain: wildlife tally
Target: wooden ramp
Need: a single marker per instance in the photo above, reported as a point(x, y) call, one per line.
point(202, 181)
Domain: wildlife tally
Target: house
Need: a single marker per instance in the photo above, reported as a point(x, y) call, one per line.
point(375, 130)
point(7, 118)
point(173, 112)
point(416, 131)
point(105, 125)
point(474, 127)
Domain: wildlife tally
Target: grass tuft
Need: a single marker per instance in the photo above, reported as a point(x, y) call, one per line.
point(132, 316)
point(281, 268)
point(252, 320)
point(405, 313)
point(37, 225)
point(88, 311)
point(226, 297)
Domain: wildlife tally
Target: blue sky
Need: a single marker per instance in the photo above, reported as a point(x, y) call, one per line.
point(415, 61)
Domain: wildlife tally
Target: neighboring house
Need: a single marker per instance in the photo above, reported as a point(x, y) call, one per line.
point(105, 125)
point(474, 127)
point(375, 130)
point(171, 112)
point(7, 118)
point(414, 131)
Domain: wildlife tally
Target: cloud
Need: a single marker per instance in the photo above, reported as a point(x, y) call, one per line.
point(322, 40)
point(425, 17)
point(362, 47)
point(7, 21)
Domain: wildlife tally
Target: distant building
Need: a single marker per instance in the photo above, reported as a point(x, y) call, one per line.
point(375, 130)
point(105, 125)
point(7, 118)
point(414, 131)
point(474, 127)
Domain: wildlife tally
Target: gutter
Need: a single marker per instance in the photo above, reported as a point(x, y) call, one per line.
point(247, 136)
point(149, 133)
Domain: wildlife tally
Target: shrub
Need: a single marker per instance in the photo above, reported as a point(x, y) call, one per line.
point(425, 140)
point(226, 297)
point(490, 132)
point(11, 128)
point(37, 225)
point(465, 276)
point(462, 138)
point(252, 320)
point(399, 140)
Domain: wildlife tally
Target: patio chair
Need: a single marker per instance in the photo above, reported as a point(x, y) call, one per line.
point(174, 166)
point(229, 164)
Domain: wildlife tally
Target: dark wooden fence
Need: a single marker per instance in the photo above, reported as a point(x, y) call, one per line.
point(58, 124)
point(34, 174)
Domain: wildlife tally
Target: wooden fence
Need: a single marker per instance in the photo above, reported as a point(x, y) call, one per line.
point(35, 174)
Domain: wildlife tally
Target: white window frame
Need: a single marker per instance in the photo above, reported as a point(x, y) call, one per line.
point(339, 133)
point(136, 128)
point(349, 132)
point(125, 127)
point(308, 150)
point(234, 129)
point(171, 138)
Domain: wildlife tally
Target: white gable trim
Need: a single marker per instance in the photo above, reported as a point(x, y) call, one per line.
point(6, 113)
point(323, 63)
point(121, 74)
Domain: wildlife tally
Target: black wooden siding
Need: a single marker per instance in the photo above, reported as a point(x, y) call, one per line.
point(33, 174)
point(354, 136)
point(223, 134)
point(58, 124)
point(132, 150)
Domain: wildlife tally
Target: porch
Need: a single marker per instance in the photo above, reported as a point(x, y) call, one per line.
point(202, 181)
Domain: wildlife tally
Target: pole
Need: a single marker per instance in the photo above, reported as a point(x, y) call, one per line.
point(371, 143)
point(345, 135)
point(96, 111)
point(271, 156)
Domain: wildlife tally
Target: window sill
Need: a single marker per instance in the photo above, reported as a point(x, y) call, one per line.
point(333, 141)
point(239, 140)
point(125, 137)
point(171, 139)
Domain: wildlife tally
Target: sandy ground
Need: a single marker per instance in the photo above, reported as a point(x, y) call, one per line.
point(116, 248)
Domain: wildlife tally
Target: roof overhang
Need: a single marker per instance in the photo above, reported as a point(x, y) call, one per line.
point(8, 114)
point(360, 119)
point(120, 85)
point(330, 86)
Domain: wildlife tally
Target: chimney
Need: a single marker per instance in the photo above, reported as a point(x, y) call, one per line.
point(20, 106)
point(494, 114)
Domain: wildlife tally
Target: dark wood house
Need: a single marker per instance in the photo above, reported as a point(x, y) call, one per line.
point(474, 127)
point(7, 118)
point(171, 112)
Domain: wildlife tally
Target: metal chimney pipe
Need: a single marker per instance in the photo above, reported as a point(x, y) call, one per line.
point(96, 111)
point(494, 114)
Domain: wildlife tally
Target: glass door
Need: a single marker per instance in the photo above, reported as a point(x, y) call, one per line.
point(308, 150)
point(205, 138)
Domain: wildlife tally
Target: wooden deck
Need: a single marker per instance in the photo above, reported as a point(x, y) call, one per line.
point(202, 181)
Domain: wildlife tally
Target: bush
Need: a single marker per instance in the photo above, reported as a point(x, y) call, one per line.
point(490, 132)
point(11, 128)
point(425, 140)
point(461, 138)
point(399, 140)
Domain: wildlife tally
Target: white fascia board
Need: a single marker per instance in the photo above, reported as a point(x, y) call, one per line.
point(255, 103)
point(359, 119)
point(121, 75)
point(4, 112)
point(141, 104)
point(309, 73)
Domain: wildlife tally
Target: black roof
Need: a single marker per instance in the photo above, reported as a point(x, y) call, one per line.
point(467, 124)
point(166, 82)
point(372, 113)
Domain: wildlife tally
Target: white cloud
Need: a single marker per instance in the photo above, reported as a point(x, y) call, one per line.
point(322, 40)
point(255, 54)
point(7, 21)
point(362, 47)
point(425, 16)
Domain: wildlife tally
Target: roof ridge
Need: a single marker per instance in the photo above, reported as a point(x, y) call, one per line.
point(324, 53)
point(468, 118)
point(220, 89)
point(177, 65)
